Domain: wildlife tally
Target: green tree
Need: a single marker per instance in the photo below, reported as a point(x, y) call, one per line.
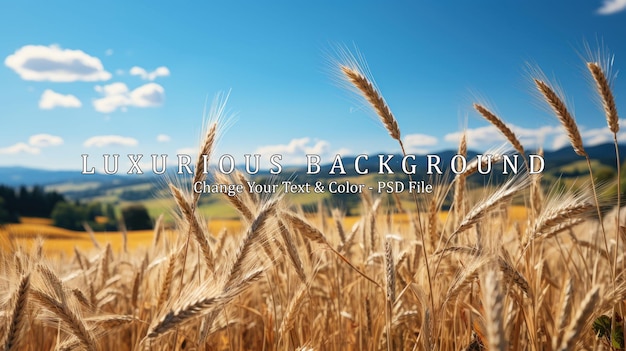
point(4, 214)
point(109, 213)
point(136, 217)
point(68, 216)
point(94, 209)
point(604, 175)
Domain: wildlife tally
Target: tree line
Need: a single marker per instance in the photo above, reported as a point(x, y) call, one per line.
point(73, 215)
point(25, 202)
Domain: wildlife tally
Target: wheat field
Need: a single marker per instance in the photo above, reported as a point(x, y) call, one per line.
point(476, 279)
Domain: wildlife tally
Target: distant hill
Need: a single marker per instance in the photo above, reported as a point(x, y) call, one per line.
point(604, 154)
point(17, 176)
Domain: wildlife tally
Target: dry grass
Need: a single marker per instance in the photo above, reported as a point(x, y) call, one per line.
point(493, 276)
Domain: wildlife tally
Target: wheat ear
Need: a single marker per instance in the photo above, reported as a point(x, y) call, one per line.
point(563, 114)
point(158, 231)
point(18, 317)
point(167, 280)
point(205, 152)
point(189, 214)
point(503, 128)
point(372, 95)
point(238, 200)
point(174, 318)
point(70, 319)
point(493, 298)
point(604, 90)
point(292, 251)
point(311, 233)
point(578, 322)
point(566, 301)
point(459, 184)
point(390, 272)
point(291, 313)
point(559, 215)
point(253, 234)
point(503, 194)
point(197, 304)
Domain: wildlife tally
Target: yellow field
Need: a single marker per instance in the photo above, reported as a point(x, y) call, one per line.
point(59, 240)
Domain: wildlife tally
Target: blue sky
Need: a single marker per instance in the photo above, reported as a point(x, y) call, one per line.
point(134, 77)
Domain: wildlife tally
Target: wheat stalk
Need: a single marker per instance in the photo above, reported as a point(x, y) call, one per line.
point(612, 118)
point(536, 194)
point(391, 288)
point(390, 272)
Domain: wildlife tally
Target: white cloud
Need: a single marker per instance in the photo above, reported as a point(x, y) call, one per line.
point(19, 148)
point(596, 136)
point(45, 140)
point(476, 136)
point(108, 52)
point(163, 138)
point(192, 151)
point(416, 142)
point(344, 151)
point(488, 135)
point(145, 75)
point(117, 95)
point(294, 153)
point(35, 142)
point(610, 7)
point(560, 141)
point(295, 146)
point(112, 89)
point(51, 99)
point(555, 136)
point(51, 63)
point(110, 140)
point(148, 95)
